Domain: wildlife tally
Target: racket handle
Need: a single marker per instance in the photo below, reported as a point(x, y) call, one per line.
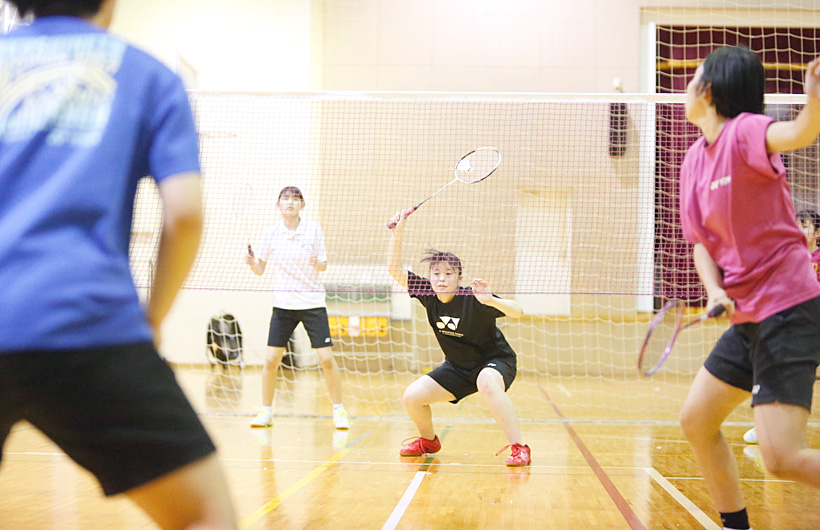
point(250, 250)
point(716, 311)
point(391, 225)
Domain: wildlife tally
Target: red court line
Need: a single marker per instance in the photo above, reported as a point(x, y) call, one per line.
point(610, 488)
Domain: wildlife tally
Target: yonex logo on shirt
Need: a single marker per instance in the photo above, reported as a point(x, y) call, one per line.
point(720, 182)
point(448, 322)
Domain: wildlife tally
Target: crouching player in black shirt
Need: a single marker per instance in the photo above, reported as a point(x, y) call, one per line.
point(477, 357)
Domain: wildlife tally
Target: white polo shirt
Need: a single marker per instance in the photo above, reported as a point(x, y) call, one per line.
point(295, 281)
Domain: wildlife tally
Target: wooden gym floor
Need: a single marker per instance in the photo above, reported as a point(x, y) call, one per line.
point(303, 474)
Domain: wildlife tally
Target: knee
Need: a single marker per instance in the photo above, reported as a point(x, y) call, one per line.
point(489, 385)
point(412, 398)
point(691, 424)
point(488, 389)
point(325, 356)
point(273, 357)
point(778, 463)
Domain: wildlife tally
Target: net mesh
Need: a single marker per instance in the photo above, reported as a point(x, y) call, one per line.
point(587, 242)
point(579, 224)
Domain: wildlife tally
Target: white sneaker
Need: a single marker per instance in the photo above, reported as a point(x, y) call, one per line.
point(263, 419)
point(751, 436)
point(341, 419)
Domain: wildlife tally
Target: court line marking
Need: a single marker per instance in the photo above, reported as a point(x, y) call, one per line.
point(410, 492)
point(401, 507)
point(623, 506)
point(276, 501)
point(682, 499)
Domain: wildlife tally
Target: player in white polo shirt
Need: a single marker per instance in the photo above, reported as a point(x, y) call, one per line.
point(295, 249)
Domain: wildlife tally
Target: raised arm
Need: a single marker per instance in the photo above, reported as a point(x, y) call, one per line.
point(481, 290)
point(712, 278)
point(181, 196)
point(803, 130)
point(394, 266)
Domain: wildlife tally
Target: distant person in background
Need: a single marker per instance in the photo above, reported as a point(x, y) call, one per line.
point(809, 222)
point(295, 248)
point(84, 117)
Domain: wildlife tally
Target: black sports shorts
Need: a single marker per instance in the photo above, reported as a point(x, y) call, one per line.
point(117, 411)
point(775, 359)
point(461, 383)
point(284, 321)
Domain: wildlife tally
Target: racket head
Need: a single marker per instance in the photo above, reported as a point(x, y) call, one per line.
point(663, 330)
point(242, 206)
point(243, 201)
point(477, 165)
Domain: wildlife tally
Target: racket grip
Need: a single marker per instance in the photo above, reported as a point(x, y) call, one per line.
point(250, 250)
point(391, 225)
point(716, 311)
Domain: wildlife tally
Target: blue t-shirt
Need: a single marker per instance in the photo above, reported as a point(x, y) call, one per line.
point(83, 116)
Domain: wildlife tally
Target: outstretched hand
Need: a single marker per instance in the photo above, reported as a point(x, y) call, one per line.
point(811, 83)
point(481, 290)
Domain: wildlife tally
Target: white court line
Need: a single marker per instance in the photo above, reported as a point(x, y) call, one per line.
point(401, 507)
point(684, 501)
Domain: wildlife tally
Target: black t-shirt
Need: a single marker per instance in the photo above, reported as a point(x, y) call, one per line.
point(464, 327)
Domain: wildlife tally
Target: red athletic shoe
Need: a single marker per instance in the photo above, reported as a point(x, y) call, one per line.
point(420, 446)
point(520, 455)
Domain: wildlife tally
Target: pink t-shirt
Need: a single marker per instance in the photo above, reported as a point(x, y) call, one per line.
point(735, 201)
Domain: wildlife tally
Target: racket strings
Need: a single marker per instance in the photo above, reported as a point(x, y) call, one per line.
point(243, 202)
point(658, 340)
point(477, 165)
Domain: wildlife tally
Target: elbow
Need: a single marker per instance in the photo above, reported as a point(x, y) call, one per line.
point(516, 311)
point(395, 274)
point(189, 222)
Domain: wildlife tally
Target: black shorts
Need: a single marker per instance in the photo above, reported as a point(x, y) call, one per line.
point(117, 411)
point(775, 359)
point(284, 321)
point(461, 383)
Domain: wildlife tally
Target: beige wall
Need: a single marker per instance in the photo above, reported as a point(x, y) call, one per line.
point(437, 45)
point(242, 45)
point(482, 45)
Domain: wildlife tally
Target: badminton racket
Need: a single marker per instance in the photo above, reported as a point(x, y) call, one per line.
point(664, 331)
point(473, 167)
point(242, 206)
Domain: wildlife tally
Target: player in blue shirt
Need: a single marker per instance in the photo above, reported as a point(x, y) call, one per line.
point(477, 357)
point(84, 116)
